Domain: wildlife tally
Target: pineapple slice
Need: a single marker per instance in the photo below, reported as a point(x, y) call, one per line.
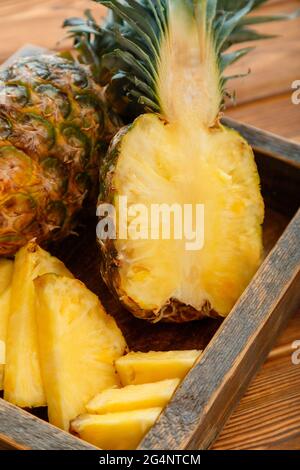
point(6, 272)
point(22, 382)
point(78, 343)
point(133, 397)
point(116, 431)
point(141, 368)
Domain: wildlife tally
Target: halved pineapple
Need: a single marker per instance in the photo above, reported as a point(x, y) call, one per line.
point(161, 275)
point(133, 397)
point(23, 383)
point(116, 431)
point(6, 272)
point(179, 161)
point(78, 344)
point(153, 366)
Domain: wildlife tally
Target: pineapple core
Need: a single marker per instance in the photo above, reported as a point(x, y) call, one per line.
point(171, 163)
point(188, 71)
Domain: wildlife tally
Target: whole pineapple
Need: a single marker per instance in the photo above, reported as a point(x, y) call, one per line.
point(170, 59)
point(54, 127)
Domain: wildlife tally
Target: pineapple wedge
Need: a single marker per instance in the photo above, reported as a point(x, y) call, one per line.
point(78, 344)
point(141, 368)
point(6, 272)
point(133, 397)
point(22, 382)
point(116, 431)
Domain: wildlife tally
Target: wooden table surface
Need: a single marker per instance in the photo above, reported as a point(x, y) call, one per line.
point(268, 417)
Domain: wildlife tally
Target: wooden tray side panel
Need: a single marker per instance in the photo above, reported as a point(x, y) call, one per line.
point(267, 143)
point(20, 430)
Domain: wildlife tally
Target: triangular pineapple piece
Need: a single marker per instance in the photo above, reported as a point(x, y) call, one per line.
point(140, 368)
point(23, 383)
point(116, 431)
point(133, 397)
point(78, 344)
point(6, 272)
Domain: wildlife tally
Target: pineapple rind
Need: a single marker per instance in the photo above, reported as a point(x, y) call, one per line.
point(54, 128)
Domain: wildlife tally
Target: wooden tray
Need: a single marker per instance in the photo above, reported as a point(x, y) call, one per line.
point(233, 349)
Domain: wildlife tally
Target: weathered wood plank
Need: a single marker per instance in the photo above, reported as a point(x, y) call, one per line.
point(21, 430)
point(268, 416)
point(267, 143)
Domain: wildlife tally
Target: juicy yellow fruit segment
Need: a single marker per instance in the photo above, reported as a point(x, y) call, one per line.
point(217, 171)
point(23, 382)
point(133, 397)
point(116, 431)
point(78, 344)
point(6, 272)
point(153, 366)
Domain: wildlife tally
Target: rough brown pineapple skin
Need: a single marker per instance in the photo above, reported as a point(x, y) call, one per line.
point(173, 311)
point(54, 129)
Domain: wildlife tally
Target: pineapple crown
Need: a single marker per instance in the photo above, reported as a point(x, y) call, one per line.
point(132, 50)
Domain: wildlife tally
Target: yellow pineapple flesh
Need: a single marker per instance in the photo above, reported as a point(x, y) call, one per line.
point(23, 382)
point(78, 344)
point(153, 366)
point(217, 274)
point(6, 272)
point(116, 431)
point(133, 397)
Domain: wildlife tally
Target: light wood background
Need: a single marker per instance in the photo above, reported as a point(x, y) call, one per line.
point(268, 417)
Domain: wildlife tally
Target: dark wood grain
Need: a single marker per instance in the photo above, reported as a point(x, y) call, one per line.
point(268, 416)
